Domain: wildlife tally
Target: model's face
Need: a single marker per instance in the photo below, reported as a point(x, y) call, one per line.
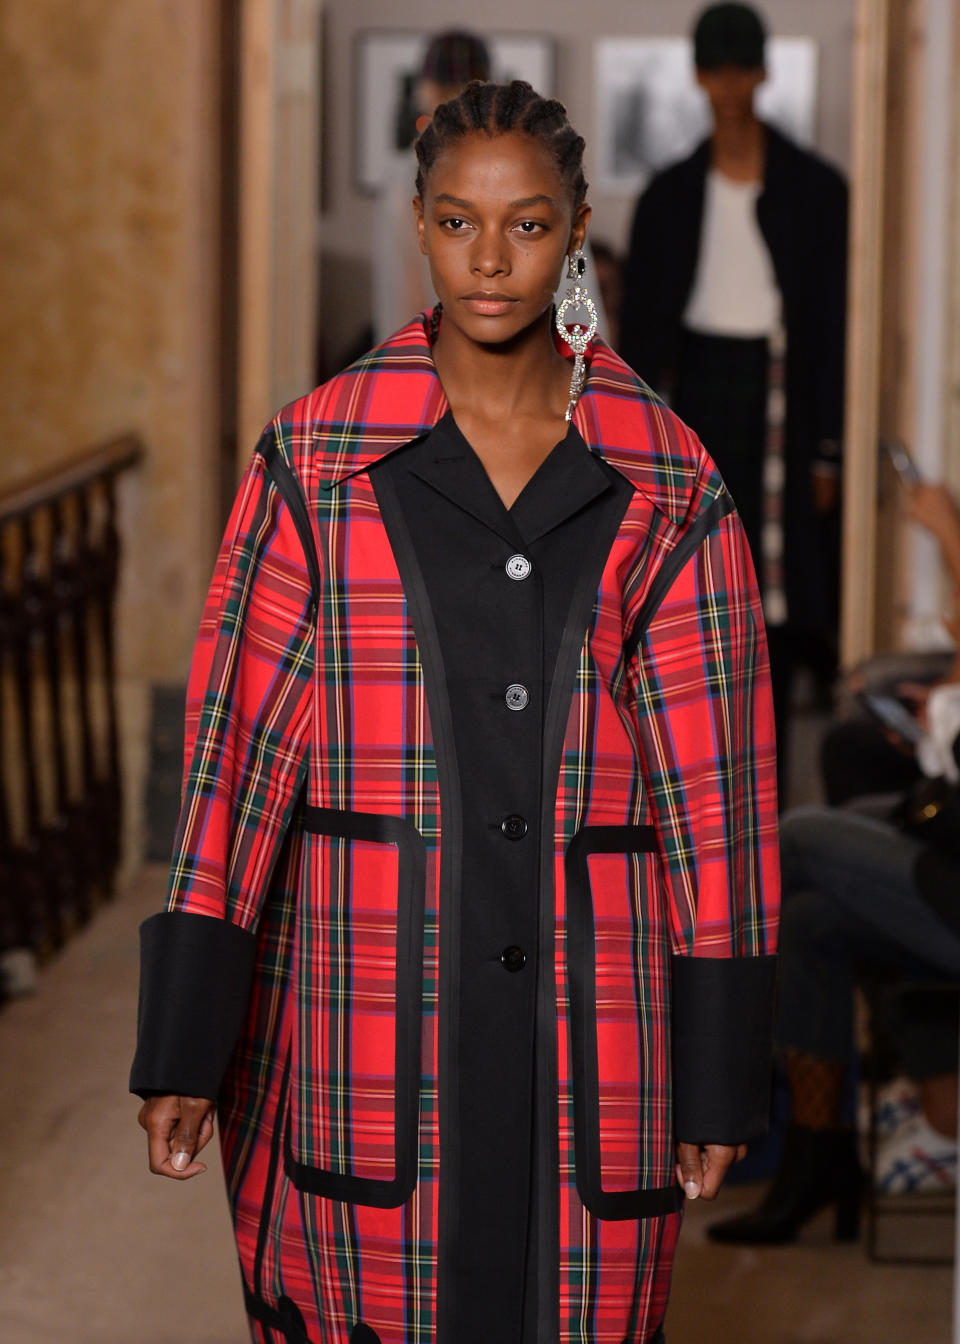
point(731, 90)
point(497, 224)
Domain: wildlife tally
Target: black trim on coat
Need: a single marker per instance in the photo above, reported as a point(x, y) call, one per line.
point(411, 890)
point(547, 1155)
point(616, 1205)
point(699, 530)
point(451, 849)
point(263, 1231)
point(195, 977)
point(286, 1316)
point(291, 492)
point(363, 1334)
point(722, 1047)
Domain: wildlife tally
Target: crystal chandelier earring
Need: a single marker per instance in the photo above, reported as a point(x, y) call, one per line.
point(579, 335)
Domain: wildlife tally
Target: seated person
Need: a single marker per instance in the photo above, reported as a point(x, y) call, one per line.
point(861, 891)
point(859, 758)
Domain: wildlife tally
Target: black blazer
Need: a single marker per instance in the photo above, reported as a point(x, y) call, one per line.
point(802, 213)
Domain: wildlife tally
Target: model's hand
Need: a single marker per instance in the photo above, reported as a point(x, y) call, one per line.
point(177, 1129)
point(701, 1167)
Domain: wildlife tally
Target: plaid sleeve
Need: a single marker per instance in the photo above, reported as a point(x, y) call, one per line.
point(248, 710)
point(248, 714)
point(705, 720)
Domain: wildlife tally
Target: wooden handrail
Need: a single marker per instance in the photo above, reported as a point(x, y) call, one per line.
point(108, 459)
point(60, 796)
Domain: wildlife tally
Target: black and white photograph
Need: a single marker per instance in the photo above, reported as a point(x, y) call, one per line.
point(649, 110)
point(387, 66)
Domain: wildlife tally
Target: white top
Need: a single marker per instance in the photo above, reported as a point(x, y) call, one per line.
point(935, 750)
point(735, 289)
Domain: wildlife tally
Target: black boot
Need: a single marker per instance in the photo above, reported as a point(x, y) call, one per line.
point(818, 1167)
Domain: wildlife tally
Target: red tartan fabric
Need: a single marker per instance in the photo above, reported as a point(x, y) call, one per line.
point(669, 726)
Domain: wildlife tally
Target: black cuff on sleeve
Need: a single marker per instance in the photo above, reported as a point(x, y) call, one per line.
point(195, 974)
point(722, 1047)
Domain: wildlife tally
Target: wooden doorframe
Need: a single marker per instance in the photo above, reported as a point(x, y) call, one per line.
point(904, 167)
point(278, 176)
point(864, 329)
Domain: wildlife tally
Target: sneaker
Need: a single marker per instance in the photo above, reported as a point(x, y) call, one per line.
point(916, 1160)
point(896, 1103)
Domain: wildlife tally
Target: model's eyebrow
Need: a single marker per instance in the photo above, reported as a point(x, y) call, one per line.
point(525, 202)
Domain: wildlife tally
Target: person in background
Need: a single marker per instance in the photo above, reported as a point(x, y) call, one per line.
point(862, 759)
point(734, 311)
point(608, 269)
point(862, 893)
point(401, 276)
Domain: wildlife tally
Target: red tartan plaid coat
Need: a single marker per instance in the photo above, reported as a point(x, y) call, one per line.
point(299, 970)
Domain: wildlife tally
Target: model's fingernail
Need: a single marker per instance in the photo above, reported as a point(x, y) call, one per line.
point(180, 1161)
point(692, 1189)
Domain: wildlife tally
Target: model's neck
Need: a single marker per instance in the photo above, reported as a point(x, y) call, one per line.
point(524, 376)
point(739, 149)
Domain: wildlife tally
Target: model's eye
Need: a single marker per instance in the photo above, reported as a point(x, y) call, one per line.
point(531, 226)
point(455, 225)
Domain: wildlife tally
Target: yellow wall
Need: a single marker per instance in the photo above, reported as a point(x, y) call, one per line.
point(108, 161)
point(109, 158)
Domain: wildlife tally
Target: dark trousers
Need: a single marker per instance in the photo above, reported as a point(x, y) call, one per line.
point(850, 902)
point(721, 392)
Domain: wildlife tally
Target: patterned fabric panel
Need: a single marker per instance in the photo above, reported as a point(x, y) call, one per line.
point(248, 711)
point(699, 690)
point(353, 1133)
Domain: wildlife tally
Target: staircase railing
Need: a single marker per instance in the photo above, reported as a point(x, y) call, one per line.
point(60, 782)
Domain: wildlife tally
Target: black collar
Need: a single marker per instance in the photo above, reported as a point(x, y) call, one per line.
point(568, 479)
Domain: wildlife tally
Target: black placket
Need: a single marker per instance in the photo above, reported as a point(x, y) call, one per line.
point(499, 584)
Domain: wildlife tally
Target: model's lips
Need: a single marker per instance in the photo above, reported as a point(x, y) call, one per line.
point(489, 302)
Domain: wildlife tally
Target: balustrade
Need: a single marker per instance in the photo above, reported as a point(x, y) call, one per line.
point(60, 781)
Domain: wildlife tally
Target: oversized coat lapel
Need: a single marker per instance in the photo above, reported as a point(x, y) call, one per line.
point(393, 395)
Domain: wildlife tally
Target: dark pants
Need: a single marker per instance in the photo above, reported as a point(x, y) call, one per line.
point(850, 902)
point(721, 392)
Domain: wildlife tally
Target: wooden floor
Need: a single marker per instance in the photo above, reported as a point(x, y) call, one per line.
point(94, 1250)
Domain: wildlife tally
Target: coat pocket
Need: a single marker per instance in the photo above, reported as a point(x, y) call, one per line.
point(352, 1131)
point(618, 972)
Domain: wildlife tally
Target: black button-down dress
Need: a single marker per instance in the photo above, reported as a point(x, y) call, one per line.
point(499, 584)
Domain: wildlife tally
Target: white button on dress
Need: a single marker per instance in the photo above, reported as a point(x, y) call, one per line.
point(517, 696)
point(518, 567)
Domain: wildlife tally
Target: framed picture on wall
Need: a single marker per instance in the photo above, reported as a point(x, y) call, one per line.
point(650, 111)
point(386, 68)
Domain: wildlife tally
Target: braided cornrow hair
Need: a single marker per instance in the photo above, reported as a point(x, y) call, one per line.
point(496, 109)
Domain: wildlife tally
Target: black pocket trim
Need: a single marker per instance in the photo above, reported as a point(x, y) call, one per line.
point(411, 894)
point(615, 1205)
point(286, 1316)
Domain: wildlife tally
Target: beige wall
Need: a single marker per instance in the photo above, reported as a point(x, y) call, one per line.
point(108, 212)
point(109, 191)
point(347, 221)
point(952, 415)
